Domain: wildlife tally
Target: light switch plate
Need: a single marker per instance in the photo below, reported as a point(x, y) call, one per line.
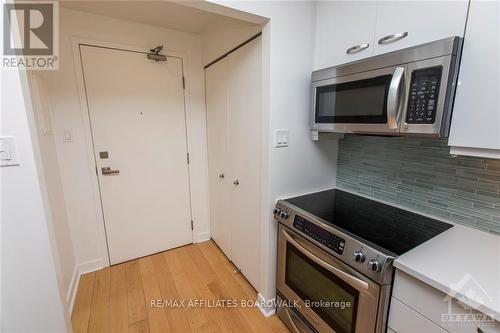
point(67, 137)
point(8, 153)
point(281, 138)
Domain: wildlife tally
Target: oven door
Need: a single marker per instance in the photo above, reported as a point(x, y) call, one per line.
point(332, 296)
point(367, 102)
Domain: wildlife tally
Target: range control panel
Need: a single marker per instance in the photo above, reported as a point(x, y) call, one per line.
point(319, 234)
point(423, 96)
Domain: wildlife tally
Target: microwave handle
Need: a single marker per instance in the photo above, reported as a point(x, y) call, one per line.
point(394, 97)
point(352, 280)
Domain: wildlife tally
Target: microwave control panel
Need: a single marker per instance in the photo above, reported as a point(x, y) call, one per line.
point(319, 234)
point(423, 96)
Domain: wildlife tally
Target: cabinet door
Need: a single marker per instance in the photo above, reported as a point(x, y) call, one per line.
point(423, 21)
point(403, 319)
point(475, 127)
point(244, 105)
point(218, 164)
point(340, 26)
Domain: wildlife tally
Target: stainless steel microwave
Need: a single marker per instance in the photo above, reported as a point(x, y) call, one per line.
point(410, 91)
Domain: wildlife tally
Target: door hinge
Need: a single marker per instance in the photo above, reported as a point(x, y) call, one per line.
point(183, 83)
point(187, 158)
point(96, 172)
point(191, 224)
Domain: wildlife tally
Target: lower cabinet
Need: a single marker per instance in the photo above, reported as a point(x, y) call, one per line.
point(403, 319)
point(233, 104)
point(417, 308)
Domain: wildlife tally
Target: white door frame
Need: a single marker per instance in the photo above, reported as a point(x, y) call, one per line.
point(87, 129)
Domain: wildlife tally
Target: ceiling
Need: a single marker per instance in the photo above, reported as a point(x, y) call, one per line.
point(159, 13)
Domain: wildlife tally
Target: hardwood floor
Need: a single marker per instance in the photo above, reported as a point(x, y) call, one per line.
point(123, 298)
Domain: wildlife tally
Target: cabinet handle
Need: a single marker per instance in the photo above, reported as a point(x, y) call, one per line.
point(236, 182)
point(392, 38)
point(221, 175)
point(357, 48)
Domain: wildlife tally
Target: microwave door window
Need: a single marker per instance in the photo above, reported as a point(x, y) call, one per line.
point(330, 297)
point(362, 101)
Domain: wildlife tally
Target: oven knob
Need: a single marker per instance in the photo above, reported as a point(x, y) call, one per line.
point(276, 211)
point(374, 265)
point(359, 256)
point(284, 215)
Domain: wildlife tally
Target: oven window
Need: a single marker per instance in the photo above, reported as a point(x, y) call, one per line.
point(314, 284)
point(362, 101)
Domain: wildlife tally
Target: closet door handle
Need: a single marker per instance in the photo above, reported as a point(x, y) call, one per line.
point(221, 175)
point(236, 182)
point(392, 38)
point(357, 48)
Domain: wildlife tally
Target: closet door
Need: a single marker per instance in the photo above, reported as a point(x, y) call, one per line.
point(244, 112)
point(217, 131)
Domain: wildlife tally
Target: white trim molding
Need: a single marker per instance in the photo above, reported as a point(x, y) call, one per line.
point(266, 306)
point(201, 237)
point(80, 269)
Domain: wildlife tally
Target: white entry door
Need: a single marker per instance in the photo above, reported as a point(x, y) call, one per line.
point(136, 110)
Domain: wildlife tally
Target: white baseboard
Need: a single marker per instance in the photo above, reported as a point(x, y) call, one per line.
point(80, 269)
point(266, 306)
point(73, 287)
point(201, 237)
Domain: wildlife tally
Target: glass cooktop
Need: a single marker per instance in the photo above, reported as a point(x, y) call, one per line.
point(390, 228)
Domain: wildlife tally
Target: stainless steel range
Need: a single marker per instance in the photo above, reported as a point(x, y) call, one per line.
point(335, 255)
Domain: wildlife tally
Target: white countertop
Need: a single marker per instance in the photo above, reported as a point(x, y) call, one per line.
point(461, 262)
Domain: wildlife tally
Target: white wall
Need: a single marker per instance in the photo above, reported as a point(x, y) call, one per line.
point(305, 165)
point(50, 166)
point(76, 169)
point(217, 42)
point(31, 294)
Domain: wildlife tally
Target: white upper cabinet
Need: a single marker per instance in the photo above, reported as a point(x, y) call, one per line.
point(360, 25)
point(475, 127)
point(402, 24)
point(343, 26)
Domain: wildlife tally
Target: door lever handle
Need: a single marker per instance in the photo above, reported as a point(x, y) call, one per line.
point(108, 171)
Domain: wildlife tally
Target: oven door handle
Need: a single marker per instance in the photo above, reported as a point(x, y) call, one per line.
point(395, 97)
point(352, 280)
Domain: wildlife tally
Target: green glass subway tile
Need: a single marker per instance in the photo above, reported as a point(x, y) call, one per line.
point(492, 194)
point(486, 209)
point(462, 218)
point(420, 173)
point(413, 183)
point(487, 224)
point(438, 203)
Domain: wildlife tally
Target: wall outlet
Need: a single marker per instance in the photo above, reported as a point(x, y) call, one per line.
point(281, 138)
point(8, 153)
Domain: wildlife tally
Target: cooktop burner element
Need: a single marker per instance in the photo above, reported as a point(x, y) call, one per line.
point(388, 227)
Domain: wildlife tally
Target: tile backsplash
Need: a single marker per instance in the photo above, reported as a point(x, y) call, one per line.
point(422, 175)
